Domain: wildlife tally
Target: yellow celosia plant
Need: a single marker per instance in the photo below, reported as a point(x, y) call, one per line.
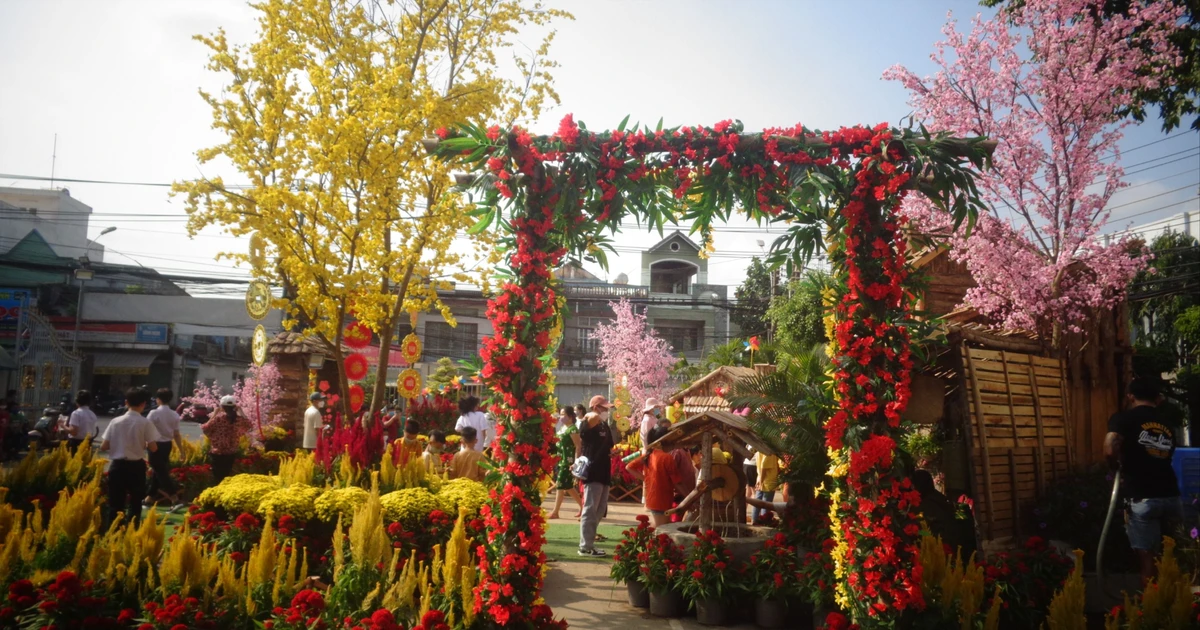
point(1166, 604)
point(297, 469)
point(1066, 609)
point(954, 587)
point(369, 544)
point(187, 567)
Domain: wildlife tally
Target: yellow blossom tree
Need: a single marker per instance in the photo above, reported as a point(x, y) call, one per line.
point(324, 115)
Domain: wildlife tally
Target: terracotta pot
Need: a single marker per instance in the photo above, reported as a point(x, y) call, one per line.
point(639, 597)
point(667, 604)
point(770, 613)
point(712, 612)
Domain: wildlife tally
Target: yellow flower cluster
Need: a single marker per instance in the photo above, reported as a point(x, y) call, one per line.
point(408, 507)
point(297, 468)
point(58, 468)
point(462, 494)
point(297, 501)
point(1166, 604)
point(955, 587)
point(239, 493)
point(342, 502)
point(190, 453)
point(1066, 609)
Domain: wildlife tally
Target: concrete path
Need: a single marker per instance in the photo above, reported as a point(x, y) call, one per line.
point(583, 594)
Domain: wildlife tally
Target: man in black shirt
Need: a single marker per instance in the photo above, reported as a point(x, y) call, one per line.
point(596, 444)
point(1141, 443)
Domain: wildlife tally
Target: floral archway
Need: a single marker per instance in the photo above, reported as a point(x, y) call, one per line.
point(559, 195)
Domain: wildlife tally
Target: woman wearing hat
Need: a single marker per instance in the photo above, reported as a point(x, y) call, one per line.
point(224, 432)
point(650, 413)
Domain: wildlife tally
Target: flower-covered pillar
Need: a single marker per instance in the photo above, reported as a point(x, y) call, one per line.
point(516, 369)
point(874, 506)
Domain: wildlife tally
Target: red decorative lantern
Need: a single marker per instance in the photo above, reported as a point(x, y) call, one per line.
point(410, 349)
point(324, 386)
point(356, 335)
point(408, 384)
point(357, 397)
point(356, 367)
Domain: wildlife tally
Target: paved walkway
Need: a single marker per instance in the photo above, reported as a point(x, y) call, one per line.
point(582, 593)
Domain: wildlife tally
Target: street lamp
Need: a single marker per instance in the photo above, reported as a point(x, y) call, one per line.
point(83, 274)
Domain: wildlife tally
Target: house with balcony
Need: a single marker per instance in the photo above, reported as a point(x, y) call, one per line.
point(673, 293)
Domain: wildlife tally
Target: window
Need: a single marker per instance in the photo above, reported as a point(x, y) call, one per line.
point(674, 247)
point(403, 328)
point(456, 343)
point(681, 338)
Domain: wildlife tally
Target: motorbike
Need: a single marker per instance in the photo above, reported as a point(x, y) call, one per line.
point(47, 431)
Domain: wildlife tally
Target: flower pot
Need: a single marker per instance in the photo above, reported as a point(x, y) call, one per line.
point(712, 612)
point(666, 604)
point(639, 597)
point(770, 613)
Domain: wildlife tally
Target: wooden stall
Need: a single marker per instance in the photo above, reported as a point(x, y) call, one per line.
point(1018, 414)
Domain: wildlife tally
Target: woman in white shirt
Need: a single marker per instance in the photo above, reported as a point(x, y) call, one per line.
point(472, 417)
point(82, 424)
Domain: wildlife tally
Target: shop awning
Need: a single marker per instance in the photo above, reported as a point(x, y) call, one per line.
point(123, 362)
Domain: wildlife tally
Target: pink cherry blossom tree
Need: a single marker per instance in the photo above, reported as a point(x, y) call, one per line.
point(630, 350)
point(1044, 79)
point(256, 396)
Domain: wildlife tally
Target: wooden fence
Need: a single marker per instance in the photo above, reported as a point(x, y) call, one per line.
point(1018, 434)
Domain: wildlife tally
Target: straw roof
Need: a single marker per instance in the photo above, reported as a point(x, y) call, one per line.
point(295, 343)
point(728, 372)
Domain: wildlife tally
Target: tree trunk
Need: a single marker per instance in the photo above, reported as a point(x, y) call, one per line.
point(385, 344)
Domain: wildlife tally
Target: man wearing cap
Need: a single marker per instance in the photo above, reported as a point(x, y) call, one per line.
point(596, 444)
point(313, 422)
point(224, 432)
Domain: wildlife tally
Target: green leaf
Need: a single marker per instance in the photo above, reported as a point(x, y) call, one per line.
point(624, 121)
point(482, 224)
point(659, 127)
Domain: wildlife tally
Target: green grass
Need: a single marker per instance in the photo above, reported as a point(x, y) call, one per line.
point(173, 521)
point(562, 541)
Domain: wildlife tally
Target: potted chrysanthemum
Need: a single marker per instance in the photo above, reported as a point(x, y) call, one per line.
point(704, 579)
point(659, 573)
point(628, 558)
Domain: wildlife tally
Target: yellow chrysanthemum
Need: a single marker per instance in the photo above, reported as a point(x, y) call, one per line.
point(297, 501)
point(340, 501)
point(409, 507)
point(464, 493)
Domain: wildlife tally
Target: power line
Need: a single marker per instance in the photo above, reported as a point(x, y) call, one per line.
point(1161, 194)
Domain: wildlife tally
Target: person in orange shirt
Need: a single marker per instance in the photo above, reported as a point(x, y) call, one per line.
point(661, 474)
point(409, 445)
point(466, 461)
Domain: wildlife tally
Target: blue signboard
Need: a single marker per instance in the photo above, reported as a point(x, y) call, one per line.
point(151, 333)
point(11, 303)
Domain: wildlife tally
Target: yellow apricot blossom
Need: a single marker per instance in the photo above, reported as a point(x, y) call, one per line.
point(323, 118)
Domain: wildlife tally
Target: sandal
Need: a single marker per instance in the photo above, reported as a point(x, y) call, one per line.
point(601, 538)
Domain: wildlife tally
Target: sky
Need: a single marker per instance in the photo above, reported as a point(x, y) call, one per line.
point(117, 82)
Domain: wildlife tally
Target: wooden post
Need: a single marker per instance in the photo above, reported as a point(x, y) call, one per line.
point(739, 471)
point(706, 501)
point(1041, 438)
point(983, 443)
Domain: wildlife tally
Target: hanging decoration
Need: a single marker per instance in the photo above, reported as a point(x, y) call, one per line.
point(411, 348)
point(408, 384)
point(357, 397)
point(258, 345)
point(356, 335)
point(356, 367)
point(258, 299)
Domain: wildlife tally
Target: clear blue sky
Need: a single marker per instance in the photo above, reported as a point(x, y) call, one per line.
point(117, 80)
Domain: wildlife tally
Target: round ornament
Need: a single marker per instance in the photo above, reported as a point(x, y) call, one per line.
point(356, 335)
point(357, 398)
point(258, 345)
point(356, 367)
point(258, 299)
point(410, 348)
point(408, 384)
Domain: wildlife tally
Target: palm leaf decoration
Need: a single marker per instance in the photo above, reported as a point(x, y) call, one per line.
point(788, 409)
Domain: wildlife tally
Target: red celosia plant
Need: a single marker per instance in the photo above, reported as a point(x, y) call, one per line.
point(707, 569)
point(364, 445)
